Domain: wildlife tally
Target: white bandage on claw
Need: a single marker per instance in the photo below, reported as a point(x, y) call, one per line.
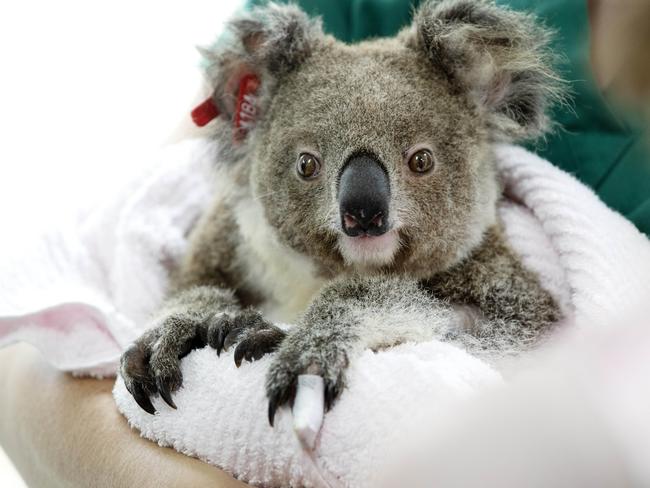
point(308, 409)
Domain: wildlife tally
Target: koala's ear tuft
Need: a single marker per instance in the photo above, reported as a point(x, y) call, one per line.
point(280, 37)
point(498, 56)
point(265, 43)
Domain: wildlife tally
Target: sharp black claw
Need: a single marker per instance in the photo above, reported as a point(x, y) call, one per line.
point(328, 398)
point(283, 396)
point(220, 338)
point(249, 355)
point(240, 350)
point(273, 406)
point(163, 388)
point(143, 400)
point(231, 338)
point(332, 392)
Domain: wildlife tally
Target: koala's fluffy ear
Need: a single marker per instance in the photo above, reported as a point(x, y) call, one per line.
point(499, 57)
point(266, 42)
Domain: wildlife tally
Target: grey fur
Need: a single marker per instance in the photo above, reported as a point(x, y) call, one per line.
point(269, 41)
point(502, 57)
point(465, 74)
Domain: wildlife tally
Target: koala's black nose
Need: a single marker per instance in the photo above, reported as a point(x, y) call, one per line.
point(364, 194)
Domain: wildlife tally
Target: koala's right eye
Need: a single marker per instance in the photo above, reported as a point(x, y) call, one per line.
point(308, 166)
point(421, 162)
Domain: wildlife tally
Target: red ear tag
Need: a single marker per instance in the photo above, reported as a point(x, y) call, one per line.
point(205, 112)
point(246, 110)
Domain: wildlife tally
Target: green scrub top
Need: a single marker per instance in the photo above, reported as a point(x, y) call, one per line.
point(606, 150)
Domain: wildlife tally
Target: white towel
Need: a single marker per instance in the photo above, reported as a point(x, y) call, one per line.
point(93, 286)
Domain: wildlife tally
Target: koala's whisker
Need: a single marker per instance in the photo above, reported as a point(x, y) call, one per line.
point(330, 218)
point(265, 195)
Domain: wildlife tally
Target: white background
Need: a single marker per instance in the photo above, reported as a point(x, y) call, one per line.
point(87, 90)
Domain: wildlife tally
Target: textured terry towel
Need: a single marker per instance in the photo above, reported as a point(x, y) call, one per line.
point(92, 288)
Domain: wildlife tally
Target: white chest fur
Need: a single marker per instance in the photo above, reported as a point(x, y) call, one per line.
point(285, 278)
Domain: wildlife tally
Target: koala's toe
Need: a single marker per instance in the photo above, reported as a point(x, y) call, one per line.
point(164, 386)
point(166, 370)
point(231, 338)
point(167, 380)
point(152, 365)
point(258, 343)
point(134, 369)
point(246, 322)
point(281, 390)
point(141, 397)
point(225, 330)
point(165, 365)
point(295, 359)
point(219, 326)
point(280, 393)
point(333, 390)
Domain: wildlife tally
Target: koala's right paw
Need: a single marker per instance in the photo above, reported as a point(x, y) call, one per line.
point(152, 364)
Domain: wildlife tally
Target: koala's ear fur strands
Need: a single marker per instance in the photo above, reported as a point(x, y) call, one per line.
point(265, 42)
point(361, 200)
point(501, 57)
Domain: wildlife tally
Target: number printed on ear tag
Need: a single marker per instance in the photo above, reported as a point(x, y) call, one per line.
point(246, 111)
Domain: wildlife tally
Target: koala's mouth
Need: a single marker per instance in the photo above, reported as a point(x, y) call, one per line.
point(369, 250)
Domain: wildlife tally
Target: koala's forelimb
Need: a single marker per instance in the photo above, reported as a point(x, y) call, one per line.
point(493, 279)
point(347, 317)
point(354, 314)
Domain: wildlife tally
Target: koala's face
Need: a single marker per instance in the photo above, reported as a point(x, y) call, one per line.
point(366, 156)
point(377, 156)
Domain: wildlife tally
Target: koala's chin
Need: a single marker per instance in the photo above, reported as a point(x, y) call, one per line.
point(369, 251)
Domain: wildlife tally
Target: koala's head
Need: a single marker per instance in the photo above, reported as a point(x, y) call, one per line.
point(377, 155)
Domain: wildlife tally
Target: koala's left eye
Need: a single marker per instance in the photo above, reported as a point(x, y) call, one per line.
point(308, 166)
point(421, 161)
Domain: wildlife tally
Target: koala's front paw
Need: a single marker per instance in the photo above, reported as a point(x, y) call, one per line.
point(152, 364)
point(296, 358)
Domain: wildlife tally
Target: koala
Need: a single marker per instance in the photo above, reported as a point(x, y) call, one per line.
point(362, 197)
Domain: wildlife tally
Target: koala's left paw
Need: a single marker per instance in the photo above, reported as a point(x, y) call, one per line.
point(294, 360)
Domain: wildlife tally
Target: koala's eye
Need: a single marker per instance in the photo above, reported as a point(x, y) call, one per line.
point(308, 166)
point(421, 161)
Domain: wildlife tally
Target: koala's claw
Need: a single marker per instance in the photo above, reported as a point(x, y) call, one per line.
point(219, 329)
point(165, 393)
point(134, 369)
point(141, 398)
point(282, 378)
point(332, 393)
point(152, 365)
point(260, 336)
point(280, 397)
point(258, 343)
point(287, 396)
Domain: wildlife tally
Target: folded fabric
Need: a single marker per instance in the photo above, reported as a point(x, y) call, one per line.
point(82, 295)
point(85, 290)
